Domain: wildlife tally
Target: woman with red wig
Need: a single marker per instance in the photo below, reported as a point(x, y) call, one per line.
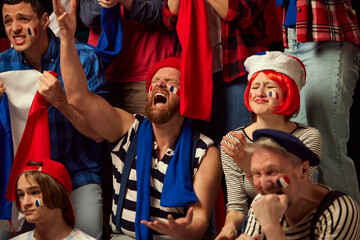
point(272, 96)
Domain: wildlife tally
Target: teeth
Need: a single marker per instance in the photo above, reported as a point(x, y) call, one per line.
point(161, 94)
point(19, 38)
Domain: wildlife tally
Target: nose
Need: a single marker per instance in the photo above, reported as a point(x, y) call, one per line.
point(259, 92)
point(27, 200)
point(161, 83)
point(265, 182)
point(15, 27)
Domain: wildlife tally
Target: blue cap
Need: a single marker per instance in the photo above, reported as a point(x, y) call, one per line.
point(290, 143)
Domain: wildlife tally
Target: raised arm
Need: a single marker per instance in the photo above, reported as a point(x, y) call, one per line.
point(109, 122)
point(143, 11)
point(51, 90)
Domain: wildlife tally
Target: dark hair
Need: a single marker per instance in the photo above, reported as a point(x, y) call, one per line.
point(54, 193)
point(38, 7)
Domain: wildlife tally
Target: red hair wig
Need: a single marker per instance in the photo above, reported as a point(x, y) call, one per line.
point(290, 104)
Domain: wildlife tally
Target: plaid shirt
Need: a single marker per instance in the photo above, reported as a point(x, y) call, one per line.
point(330, 20)
point(81, 155)
point(242, 34)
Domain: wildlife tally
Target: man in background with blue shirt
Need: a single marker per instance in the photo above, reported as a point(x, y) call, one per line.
point(35, 47)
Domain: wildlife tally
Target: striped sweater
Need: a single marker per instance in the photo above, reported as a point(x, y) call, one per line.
point(341, 220)
point(159, 167)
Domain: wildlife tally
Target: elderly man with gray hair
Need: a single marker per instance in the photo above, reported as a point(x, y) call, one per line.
point(288, 205)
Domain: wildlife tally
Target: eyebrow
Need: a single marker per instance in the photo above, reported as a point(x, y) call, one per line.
point(18, 14)
point(29, 189)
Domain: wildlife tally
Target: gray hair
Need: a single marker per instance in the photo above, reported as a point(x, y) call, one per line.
point(269, 144)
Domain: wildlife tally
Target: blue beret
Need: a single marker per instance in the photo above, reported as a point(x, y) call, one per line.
point(290, 143)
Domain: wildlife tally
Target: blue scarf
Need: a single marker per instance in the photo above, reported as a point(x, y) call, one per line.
point(291, 13)
point(110, 40)
point(6, 156)
point(177, 189)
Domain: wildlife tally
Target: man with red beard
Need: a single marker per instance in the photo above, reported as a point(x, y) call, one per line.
point(289, 206)
point(174, 175)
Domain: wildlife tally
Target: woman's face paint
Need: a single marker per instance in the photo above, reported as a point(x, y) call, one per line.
point(273, 94)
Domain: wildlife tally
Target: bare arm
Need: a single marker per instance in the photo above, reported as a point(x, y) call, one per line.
point(51, 90)
point(220, 6)
point(174, 6)
point(206, 185)
point(109, 122)
point(232, 227)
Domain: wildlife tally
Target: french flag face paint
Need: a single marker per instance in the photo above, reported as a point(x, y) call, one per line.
point(32, 31)
point(273, 94)
point(174, 90)
point(283, 182)
point(39, 202)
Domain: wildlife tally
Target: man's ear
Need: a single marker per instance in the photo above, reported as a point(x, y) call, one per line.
point(305, 166)
point(45, 20)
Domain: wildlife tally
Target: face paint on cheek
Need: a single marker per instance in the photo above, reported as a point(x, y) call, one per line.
point(250, 96)
point(150, 89)
point(32, 31)
point(283, 182)
point(257, 185)
point(273, 94)
point(39, 202)
point(174, 90)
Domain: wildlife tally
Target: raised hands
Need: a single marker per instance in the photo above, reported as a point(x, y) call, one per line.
point(174, 228)
point(51, 90)
point(234, 147)
point(66, 20)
